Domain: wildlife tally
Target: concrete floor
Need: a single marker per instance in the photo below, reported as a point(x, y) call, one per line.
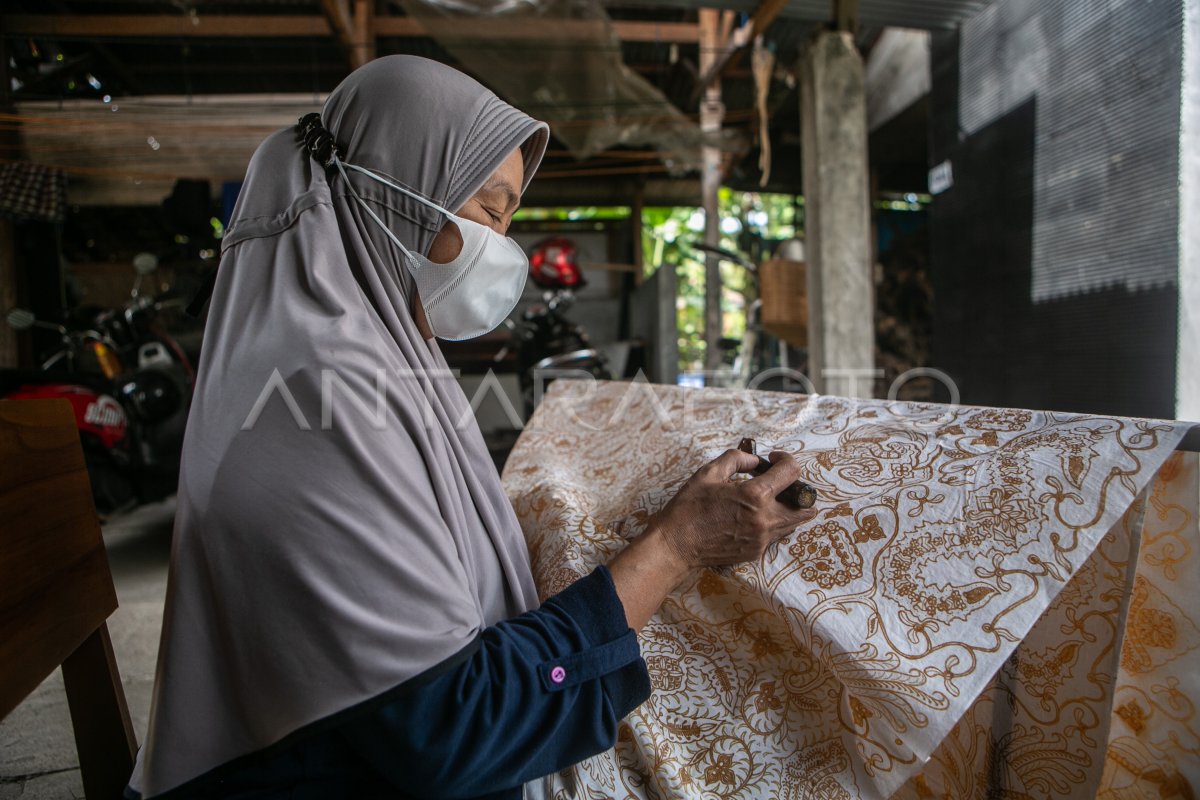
point(37, 748)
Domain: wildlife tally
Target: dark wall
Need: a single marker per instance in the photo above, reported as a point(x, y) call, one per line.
point(1103, 351)
point(39, 267)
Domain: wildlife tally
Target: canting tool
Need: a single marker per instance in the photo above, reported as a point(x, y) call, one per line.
point(798, 495)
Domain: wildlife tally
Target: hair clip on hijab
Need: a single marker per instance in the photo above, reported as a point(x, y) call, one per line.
point(317, 140)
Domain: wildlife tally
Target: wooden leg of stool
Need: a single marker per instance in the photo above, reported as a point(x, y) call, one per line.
point(103, 732)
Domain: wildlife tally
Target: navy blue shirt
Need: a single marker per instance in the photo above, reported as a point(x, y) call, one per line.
point(530, 696)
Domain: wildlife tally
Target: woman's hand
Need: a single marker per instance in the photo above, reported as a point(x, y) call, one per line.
point(712, 521)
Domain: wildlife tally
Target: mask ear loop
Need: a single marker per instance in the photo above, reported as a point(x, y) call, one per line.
point(377, 177)
point(337, 162)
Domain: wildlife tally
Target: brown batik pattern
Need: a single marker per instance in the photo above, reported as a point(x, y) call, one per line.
point(947, 626)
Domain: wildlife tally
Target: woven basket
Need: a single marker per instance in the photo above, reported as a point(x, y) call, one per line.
point(785, 300)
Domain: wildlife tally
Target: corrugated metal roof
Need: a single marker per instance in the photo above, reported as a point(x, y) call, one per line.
point(928, 14)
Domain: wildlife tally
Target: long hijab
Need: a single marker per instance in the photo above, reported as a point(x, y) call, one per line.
point(340, 525)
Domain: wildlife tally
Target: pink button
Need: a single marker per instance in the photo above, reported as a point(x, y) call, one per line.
point(558, 674)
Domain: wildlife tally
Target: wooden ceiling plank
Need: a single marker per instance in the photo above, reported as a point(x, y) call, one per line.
point(665, 32)
point(162, 25)
point(265, 26)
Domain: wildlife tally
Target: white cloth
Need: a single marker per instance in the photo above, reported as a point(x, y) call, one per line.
point(842, 661)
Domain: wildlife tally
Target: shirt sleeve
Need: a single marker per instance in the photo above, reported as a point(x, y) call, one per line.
point(540, 692)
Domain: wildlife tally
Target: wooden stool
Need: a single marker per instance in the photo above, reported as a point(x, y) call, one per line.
point(56, 590)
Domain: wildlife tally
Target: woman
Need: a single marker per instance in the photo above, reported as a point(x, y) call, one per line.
point(350, 610)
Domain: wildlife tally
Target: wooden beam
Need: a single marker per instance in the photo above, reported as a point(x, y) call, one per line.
point(332, 65)
point(364, 31)
point(337, 17)
point(355, 31)
point(542, 30)
point(728, 18)
point(762, 18)
point(665, 32)
point(124, 26)
point(845, 15)
point(266, 26)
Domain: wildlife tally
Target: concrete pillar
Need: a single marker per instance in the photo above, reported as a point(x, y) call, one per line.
point(1187, 367)
point(841, 302)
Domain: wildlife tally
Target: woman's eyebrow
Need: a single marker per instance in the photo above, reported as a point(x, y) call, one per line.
point(511, 196)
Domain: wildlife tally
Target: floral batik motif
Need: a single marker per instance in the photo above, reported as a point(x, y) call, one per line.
point(1154, 740)
point(989, 603)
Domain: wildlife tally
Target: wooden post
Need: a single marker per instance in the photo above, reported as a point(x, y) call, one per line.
point(104, 737)
point(729, 54)
point(355, 31)
point(666, 332)
point(845, 15)
point(711, 112)
point(635, 229)
point(364, 31)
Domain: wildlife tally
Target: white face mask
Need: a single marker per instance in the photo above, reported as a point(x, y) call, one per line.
point(473, 293)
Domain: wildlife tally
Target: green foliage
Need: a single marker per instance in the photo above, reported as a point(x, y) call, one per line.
point(573, 214)
point(750, 224)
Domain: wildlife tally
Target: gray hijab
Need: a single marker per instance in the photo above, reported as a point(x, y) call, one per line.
point(327, 548)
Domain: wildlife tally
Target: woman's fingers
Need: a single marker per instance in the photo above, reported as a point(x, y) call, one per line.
point(784, 470)
point(713, 520)
point(794, 518)
point(728, 464)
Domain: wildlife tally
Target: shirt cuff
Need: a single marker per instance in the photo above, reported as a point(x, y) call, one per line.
point(593, 603)
point(613, 656)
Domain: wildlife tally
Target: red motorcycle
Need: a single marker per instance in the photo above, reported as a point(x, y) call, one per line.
point(130, 385)
point(548, 344)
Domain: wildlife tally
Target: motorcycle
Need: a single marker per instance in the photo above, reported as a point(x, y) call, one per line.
point(130, 386)
point(547, 344)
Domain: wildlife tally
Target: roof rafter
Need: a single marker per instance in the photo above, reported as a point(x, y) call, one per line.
point(759, 21)
point(354, 31)
point(265, 26)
